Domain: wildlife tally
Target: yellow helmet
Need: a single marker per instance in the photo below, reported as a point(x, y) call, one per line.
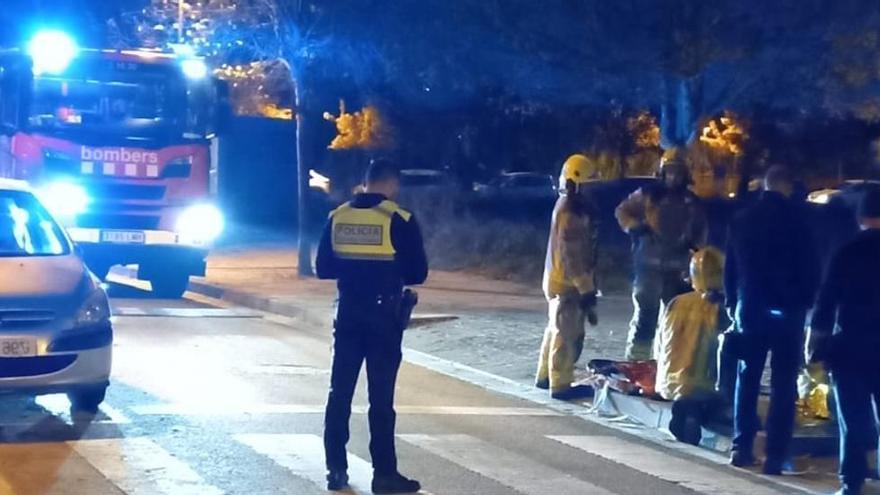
point(578, 169)
point(707, 270)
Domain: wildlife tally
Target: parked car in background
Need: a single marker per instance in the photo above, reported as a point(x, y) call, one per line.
point(518, 186)
point(55, 329)
point(424, 180)
point(849, 192)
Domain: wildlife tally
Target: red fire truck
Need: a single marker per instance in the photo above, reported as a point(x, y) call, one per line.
point(119, 145)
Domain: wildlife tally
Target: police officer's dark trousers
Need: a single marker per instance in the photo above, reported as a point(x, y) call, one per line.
point(364, 331)
point(857, 389)
point(781, 335)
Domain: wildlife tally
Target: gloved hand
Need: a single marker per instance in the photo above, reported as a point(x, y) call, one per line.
point(588, 305)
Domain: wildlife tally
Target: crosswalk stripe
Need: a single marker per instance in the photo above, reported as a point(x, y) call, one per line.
point(186, 312)
point(660, 464)
point(139, 466)
point(185, 409)
point(303, 456)
point(507, 468)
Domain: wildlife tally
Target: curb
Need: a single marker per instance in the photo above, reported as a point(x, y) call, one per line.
point(275, 306)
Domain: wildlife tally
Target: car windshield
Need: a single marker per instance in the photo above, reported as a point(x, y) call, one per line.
point(87, 103)
point(26, 229)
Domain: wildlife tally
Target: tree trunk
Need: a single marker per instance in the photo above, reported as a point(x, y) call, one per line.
point(680, 112)
point(304, 264)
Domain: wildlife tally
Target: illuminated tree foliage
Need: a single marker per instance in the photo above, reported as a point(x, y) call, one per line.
point(725, 134)
point(362, 129)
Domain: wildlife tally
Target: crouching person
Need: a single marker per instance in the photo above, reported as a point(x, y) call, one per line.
point(686, 345)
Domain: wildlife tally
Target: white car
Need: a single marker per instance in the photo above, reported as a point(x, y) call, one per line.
point(55, 329)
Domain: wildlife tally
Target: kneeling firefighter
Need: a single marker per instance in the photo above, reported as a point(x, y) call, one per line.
point(569, 282)
point(687, 338)
point(686, 344)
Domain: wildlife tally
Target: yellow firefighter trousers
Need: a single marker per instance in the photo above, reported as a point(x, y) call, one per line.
point(563, 342)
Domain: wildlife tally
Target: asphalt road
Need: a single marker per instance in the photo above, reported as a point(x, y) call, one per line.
point(208, 400)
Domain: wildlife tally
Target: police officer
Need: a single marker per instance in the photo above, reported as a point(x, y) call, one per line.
point(666, 222)
point(845, 335)
point(569, 283)
point(373, 248)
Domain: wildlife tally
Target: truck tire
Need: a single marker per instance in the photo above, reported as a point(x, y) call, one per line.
point(170, 285)
point(86, 401)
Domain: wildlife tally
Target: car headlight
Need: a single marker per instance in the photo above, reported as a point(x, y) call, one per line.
point(200, 224)
point(64, 199)
point(95, 310)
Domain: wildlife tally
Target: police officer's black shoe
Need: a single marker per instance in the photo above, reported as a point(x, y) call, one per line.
point(337, 480)
point(395, 483)
point(543, 384)
point(573, 393)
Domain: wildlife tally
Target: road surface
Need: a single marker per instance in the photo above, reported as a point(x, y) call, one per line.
point(207, 400)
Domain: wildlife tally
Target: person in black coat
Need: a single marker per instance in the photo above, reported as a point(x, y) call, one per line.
point(771, 277)
point(845, 335)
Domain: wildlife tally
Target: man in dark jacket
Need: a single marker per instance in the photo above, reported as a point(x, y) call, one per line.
point(771, 275)
point(373, 248)
point(845, 334)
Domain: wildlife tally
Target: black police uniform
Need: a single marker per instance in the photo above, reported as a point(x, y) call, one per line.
point(373, 248)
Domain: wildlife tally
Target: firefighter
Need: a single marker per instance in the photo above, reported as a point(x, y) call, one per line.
point(373, 248)
point(686, 344)
point(569, 282)
point(666, 222)
point(688, 336)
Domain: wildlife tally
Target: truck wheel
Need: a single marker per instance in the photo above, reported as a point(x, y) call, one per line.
point(170, 285)
point(86, 401)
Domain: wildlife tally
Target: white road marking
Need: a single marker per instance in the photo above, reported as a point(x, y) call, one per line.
point(200, 409)
point(303, 456)
point(139, 466)
point(186, 312)
point(660, 464)
point(507, 468)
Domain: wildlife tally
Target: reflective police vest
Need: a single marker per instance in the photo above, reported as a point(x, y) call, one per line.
point(365, 233)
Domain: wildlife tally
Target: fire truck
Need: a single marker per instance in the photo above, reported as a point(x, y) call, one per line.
point(118, 144)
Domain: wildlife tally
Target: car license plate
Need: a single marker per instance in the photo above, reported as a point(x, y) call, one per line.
point(122, 236)
point(18, 347)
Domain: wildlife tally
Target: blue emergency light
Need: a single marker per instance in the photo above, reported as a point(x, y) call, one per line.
point(52, 51)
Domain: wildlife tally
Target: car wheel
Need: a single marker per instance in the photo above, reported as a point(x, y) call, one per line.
point(170, 285)
point(86, 401)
